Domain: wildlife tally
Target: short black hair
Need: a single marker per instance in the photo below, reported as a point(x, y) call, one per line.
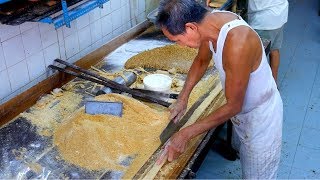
point(174, 14)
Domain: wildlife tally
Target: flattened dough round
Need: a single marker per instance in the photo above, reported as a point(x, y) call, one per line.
point(164, 58)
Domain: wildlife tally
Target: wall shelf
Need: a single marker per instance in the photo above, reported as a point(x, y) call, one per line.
point(16, 13)
point(69, 15)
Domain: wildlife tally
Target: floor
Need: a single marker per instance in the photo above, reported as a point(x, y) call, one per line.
point(299, 82)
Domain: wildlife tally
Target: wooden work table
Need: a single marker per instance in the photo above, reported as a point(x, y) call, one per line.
point(27, 154)
point(20, 134)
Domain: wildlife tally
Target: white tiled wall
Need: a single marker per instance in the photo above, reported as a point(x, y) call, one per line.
point(84, 37)
point(36, 65)
point(13, 50)
point(5, 88)
point(18, 75)
point(51, 53)
point(26, 50)
point(2, 60)
point(7, 32)
point(31, 41)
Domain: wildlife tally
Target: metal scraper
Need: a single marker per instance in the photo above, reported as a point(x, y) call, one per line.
point(173, 128)
point(103, 107)
point(169, 131)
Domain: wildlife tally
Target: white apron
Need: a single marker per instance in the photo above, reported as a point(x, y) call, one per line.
point(258, 126)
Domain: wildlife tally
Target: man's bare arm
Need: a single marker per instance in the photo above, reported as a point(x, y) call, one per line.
point(195, 73)
point(197, 69)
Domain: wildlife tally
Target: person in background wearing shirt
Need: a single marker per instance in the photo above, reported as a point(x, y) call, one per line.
point(268, 17)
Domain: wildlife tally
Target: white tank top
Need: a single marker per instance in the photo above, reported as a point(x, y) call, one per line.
point(261, 85)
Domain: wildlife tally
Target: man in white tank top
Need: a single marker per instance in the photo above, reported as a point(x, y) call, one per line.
point(253, 101)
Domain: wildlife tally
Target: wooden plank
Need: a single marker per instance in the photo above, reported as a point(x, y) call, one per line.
point(25, 100)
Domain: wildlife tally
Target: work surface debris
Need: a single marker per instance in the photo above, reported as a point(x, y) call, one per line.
point(51, 109)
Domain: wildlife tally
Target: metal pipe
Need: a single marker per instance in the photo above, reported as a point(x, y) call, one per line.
point(130, 79)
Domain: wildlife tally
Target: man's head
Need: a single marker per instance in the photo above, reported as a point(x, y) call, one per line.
point(179, 19)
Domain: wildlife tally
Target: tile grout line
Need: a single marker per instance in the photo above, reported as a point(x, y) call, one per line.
point(305, 116)
point(291, 61)
point(295, 49)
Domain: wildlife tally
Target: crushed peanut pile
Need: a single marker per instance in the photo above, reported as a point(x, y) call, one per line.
point(99, 142)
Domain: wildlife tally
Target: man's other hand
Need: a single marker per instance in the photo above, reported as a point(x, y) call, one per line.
point(177, 110)
point(175, 146)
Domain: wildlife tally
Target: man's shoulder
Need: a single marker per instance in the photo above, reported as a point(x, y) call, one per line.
point(242, 39)
point(241, 33)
